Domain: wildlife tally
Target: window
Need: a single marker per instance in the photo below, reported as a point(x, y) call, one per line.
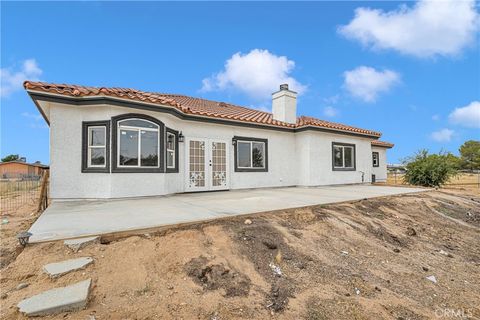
point(95, 146)
point(375, 159)
point(343, 157)
point(172, 150)
point(138, 143)
point(97, 138)
point(250, 154)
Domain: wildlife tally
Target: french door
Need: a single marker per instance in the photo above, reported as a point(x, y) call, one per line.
point(207, 165)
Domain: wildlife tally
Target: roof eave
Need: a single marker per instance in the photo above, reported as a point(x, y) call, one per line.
point(293, 128)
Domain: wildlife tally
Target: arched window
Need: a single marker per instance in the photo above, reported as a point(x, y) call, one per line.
point(138, 143)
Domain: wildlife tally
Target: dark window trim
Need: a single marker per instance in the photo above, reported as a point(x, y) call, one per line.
point(378, 159)
point(167, 169)
point(237, 138)
point(354, 156)
point(85, 126)
point(161, 156)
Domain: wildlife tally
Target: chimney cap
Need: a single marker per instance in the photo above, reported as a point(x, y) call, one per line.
point(284, 86)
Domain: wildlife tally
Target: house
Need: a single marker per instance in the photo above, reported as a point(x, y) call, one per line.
point(21, 169)
point(114, 142)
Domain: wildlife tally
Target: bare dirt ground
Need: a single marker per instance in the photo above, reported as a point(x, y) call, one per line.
point(11, 225)
point(362, 260)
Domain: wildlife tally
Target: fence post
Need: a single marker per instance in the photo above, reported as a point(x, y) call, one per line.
point(42, 202)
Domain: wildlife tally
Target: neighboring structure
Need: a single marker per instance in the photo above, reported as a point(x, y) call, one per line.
point(21, 169)
point(113, 142)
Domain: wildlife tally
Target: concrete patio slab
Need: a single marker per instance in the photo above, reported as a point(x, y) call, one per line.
point(73, 219)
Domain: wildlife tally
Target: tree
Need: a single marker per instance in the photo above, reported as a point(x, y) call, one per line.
point(11, 157)
point(430, 170)
point(470, 155)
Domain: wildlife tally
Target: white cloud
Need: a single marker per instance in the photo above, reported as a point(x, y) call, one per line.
point(37, 122)
point(36, 117)
point(330, 112)
point(468, 116)
point(12, 80)
point(332, 99)
point(257, 73)
point(429, 28)
point(443, 135)
point(367, 83)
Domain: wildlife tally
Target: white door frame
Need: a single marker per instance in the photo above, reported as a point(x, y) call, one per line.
point(208, 165)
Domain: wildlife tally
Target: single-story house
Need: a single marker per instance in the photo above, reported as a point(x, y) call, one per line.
point(21, 169)
point(115, 142)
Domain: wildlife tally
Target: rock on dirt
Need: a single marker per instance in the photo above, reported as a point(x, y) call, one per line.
point(70, 298)
point(22, 285)
point(411, 232)
point(79, 243)
point(247, 221)
point(58, 269)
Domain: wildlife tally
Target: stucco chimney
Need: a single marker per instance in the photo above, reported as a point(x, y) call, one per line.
point(284, 105)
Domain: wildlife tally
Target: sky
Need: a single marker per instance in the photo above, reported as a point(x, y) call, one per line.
point(410, 70)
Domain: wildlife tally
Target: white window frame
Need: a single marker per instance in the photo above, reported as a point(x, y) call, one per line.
point(343, 156)
point(90, 147)
point(171, 150)
point(251, 154)
point(139, 130)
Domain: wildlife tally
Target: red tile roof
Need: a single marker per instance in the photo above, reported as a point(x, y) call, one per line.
point(194, 106)
point(384, 144)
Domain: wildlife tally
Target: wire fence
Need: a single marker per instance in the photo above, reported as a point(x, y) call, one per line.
point(463, 179)
point(17, 190)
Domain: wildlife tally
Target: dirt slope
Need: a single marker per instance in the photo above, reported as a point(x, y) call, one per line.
point(363, 260)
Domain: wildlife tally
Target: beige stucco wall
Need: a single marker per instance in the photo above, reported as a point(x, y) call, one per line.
point(303, 158)
point(380, 172)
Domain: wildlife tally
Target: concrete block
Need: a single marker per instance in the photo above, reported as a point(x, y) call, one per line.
point(57, 269)
point(70, 298)
point(79, 243)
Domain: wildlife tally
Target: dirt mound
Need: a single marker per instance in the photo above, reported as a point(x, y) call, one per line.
point(368, 259)
point(217, 276)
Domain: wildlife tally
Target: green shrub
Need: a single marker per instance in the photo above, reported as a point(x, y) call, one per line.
point(430, 170)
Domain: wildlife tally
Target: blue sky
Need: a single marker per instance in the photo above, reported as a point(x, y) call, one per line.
point(411, 72)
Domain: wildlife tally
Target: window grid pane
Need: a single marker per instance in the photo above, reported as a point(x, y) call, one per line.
point(219, 164)
point(197, 163)
point(338, 156)
point(244, 154)
point(348, 154)
point(149, 148)
point(97, 157)
point(128, 147)
point(96, 136)
point(258, 154)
